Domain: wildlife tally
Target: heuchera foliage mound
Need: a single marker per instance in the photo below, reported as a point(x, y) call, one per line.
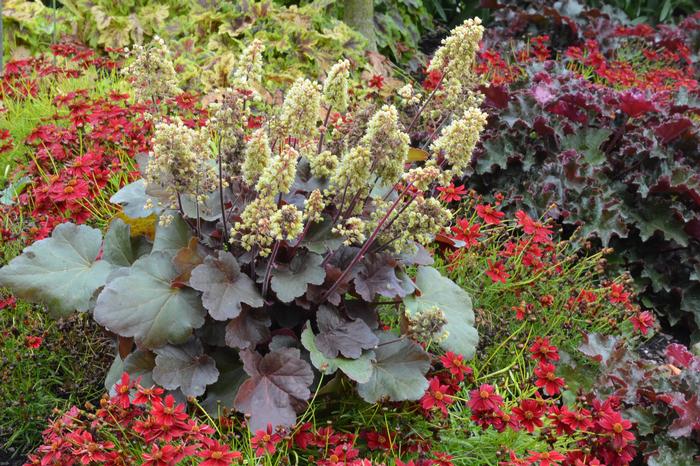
point(274, 240)
point(598, 118)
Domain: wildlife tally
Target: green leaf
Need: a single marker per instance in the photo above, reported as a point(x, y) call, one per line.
point(185, 367)
point(359, 370)
point(224, 287)
point(62, 271)
point(291, 281)
point(138, 364)
point(133, 198)
point(398, 372)
point(173, 236)
point(143, 305)
point(455, 303)
point(118, 248)
point(231, 375)
point(320, 239)
point(588, 143)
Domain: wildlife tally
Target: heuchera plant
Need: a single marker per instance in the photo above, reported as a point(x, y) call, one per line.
point(277, 240)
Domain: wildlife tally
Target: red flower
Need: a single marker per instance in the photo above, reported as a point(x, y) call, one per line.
point(167, 413)
point(542, 351)
point(452, 192)
point(380, 441)
point(436, 396)
point(33, 342)
point(432, 80)
point(547, 378)
point(484, 399)
point(465, 232)
point(147, 395)
point(489, 214)
point(540, 232)
point(303, 437)
point(456, 365)
point(217, 454)
point(86, 449)
point(617, 428)
point(265, 441)
point(442, 459)
point(618, 294)
point(167, 455)
point(529, 414)
point(547, 458)
point(643, 321)
point(577, 420)
point(497, 271)
point(339, 455)
point(377, 81)
point(122, 389)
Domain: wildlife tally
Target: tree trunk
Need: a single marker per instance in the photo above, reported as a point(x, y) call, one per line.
point(359, 15)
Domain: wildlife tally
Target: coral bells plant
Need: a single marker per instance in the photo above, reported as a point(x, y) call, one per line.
point(280, 233)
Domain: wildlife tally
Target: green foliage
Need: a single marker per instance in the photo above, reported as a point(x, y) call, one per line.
point(652, 10)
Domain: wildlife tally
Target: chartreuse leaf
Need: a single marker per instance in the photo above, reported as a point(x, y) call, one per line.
point(224, 286)
point(61, 271)
point(438, 291)
point(145, 306)
point(185, 367)
point(398, 372)
point(278, 382)
point(359, 370)
point(291, 281)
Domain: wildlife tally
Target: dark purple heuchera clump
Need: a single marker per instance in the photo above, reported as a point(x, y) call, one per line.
point(607, 140)
point(268, 255)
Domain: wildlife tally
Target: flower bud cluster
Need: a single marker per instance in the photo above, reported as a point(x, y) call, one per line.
point(351, 178)
point(152, 72)
point(387, 143)
point(457, 55)
point(323, 164)
point(428, 325)
point(313, 207)
point(257, 156)
point(457, 141)
point(419, 222)
point(250, 66)
point(352, 229)
point(180, 160)
point(255, 227)
point(278, 176)
point(300, 110)
point(335, 87)
point(286, 223)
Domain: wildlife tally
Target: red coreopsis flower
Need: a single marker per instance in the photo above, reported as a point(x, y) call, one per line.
point(122, 389)
point(167, 455)
point(147, 395)
point(303, 437)
point(377, 82)
point(379, 440)
point(577, 420)
point(497, 271)
point(32, 341)
point(465, 232)
point(547, 458)
point(432, 80)
point(643, 321)
point(617, 294)
point(540, 232)
point(339, 456)
point(437, 396)
point(167, 413)
point(87, 449)
point(484, 398)
point(489, 214)
point(547, 379)
point(216, 454)
point(456, 365)
point(529, 414)
point(617, 429)
point(265, 441)
point(542, 351)
point(452, 192)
